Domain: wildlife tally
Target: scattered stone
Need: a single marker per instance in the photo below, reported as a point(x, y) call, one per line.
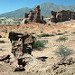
point(55, 66)
point(19, 69)
point(5, 58)
point(61, 70)
point(68, 61)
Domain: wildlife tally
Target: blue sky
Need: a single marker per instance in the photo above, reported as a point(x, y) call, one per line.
point(11, 5)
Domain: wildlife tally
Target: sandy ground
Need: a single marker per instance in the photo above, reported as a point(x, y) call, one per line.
point(66, 28)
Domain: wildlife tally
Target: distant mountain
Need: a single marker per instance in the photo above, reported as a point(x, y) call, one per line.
point(17, 13)
point(45, 10)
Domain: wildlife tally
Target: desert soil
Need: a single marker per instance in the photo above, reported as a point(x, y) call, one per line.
point(66, 28)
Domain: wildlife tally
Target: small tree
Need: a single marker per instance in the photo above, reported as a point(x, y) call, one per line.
point(63, 52)
point(39, 44)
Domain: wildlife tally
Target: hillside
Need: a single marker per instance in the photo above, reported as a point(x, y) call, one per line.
point(45, 10)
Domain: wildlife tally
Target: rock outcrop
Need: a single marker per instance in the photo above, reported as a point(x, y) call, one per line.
point(34, 15)
point(61, 16)
point(21, 45)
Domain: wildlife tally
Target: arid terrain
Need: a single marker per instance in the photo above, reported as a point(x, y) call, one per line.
point(46, 59)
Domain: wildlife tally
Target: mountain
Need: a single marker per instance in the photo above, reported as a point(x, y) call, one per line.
point(45, 10)
point(17, 13)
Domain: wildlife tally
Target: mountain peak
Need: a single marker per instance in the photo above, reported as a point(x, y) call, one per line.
point(45, 10)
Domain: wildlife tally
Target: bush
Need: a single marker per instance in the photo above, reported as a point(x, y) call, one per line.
point(73, 32)
point(62, 38)
point(59, 34)
point(45, 35)
point(39, 44)
point(2, 41)
point(4, 31)
point(32, 33)
point(51, 35)
point(2, 50)
point(0, 36)
point(63, 52)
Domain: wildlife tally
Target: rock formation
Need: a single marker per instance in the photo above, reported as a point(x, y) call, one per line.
point(21, 45)
point(64, 15)
point(34, 15)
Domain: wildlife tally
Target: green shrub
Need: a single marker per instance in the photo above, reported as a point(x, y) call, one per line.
point(32, 33)
point(2, 41)
point(45, 35)
point(62, 38)
point(59, 34)
point(4, 31)
point(2, 50)
point(63, 52)
point(51, 35)
point(73, 32)
point(39, 44)
point(0, 36)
